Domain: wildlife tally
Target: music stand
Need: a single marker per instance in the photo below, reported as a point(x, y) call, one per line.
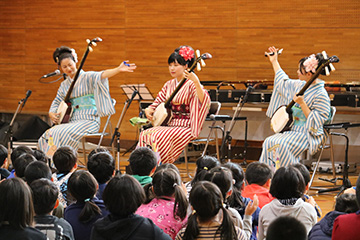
point(133, 92)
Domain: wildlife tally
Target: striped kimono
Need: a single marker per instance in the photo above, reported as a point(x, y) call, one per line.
point(169, 141)
point(282, 149)
point(86, 114)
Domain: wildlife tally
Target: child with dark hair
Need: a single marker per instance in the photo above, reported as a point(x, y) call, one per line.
point(345, 203)
point(15, 154)
point(97, 150)
point(258, 177)
point(17, 211)
point(222, 177)
point(142, 162)
point(45, 200)
point(236, 200)
point(287, 187)
point(306, 175)
point(285, 228)
point(168, 208)
point(210, 219)
point(21, 163)
point(65, 161)
point(102, 166)
point(37, 170)
point(4, 172)
point(347, 226)
point(203, 165)
point(122, 197)
point(41, 156)
point(87, 209)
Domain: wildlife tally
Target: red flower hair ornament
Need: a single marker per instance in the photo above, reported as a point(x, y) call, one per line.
point(186, 53)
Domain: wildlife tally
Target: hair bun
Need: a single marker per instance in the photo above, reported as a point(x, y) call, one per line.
point(60, 50)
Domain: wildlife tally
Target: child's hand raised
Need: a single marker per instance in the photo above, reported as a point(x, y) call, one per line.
point(252, 206)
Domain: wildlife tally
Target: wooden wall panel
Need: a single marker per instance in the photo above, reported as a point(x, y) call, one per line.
point(235, 32)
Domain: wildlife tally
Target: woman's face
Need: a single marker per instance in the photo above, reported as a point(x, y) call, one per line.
point(302, 75)
point(68, 67)
point(176, 70)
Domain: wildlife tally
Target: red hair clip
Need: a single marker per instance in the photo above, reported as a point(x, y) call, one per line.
point(186, 53)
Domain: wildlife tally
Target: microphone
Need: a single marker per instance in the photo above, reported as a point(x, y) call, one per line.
point(28, 93)
point(248, 90)
point(56, 72)
point(132, 96)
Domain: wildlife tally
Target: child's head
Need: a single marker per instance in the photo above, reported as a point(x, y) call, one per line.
point(16, 203)
point(346, 203)
point(45, 196)
point(65, 159)
point(286, 227)
point(166, 166)
point(21, 163)
point(97, 150)
point(206, 200)
point(123, 195)
point(258, 173)
point(102, 166)
point(287, 183)
point(37, 170)
point(222, 178)
point(304, 172)
point(203, 165)
point(83, 186)
point(235, 200)
point(142, 161)
point(167, 183)
point(18, 151)
point(40, 156)
point(3, 154)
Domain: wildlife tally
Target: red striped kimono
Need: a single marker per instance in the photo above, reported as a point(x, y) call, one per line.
point(170, 141)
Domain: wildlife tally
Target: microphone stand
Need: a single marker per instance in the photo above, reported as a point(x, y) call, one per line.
point(9, 132)
point(227, 139)
point(116, 132)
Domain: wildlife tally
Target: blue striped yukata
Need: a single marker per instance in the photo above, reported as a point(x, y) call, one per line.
point(306, 133)
point(90, 100)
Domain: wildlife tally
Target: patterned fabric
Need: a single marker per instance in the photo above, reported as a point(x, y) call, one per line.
point(210, 233)
point(161, 212)
point(84, 120)
point(309, 135)
point(170, 141)
point(61, 180)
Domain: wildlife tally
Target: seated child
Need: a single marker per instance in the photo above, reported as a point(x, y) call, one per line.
point(345, 203)
point(287, 187)
point(168, 208)
point(87, 209)
point(65, 161)
point(210, 219)
point(21, 163)
point(102, 166)
point(306, 175)
point(258, 177)
point(347, 226)
point(236, 200)
point(286, 228)
point(37, 170)
point(45, 199)
point(122, 197)
point(4, 172)
point(142, 162)
point(16, 153)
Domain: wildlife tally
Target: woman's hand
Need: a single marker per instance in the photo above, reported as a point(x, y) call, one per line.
point(299, 100)
point(149, 112)
point(125, 66)
point(274, 57)
point(55, 117)
point(191, 76)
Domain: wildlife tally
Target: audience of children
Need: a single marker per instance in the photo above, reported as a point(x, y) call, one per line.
point(65, 161)
point(236, 200)
point(347, 226)
point(167, 206)
point(142, 163)
point(45, 199)
point(345, 203)
point(306, 175)
point(4, 172)
point(17, 211)
point(258, 177)
point(102, 166)
point(210, 219)
point(82, 214)
point(287, 187)
point(122, 197)
point(286, 228)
